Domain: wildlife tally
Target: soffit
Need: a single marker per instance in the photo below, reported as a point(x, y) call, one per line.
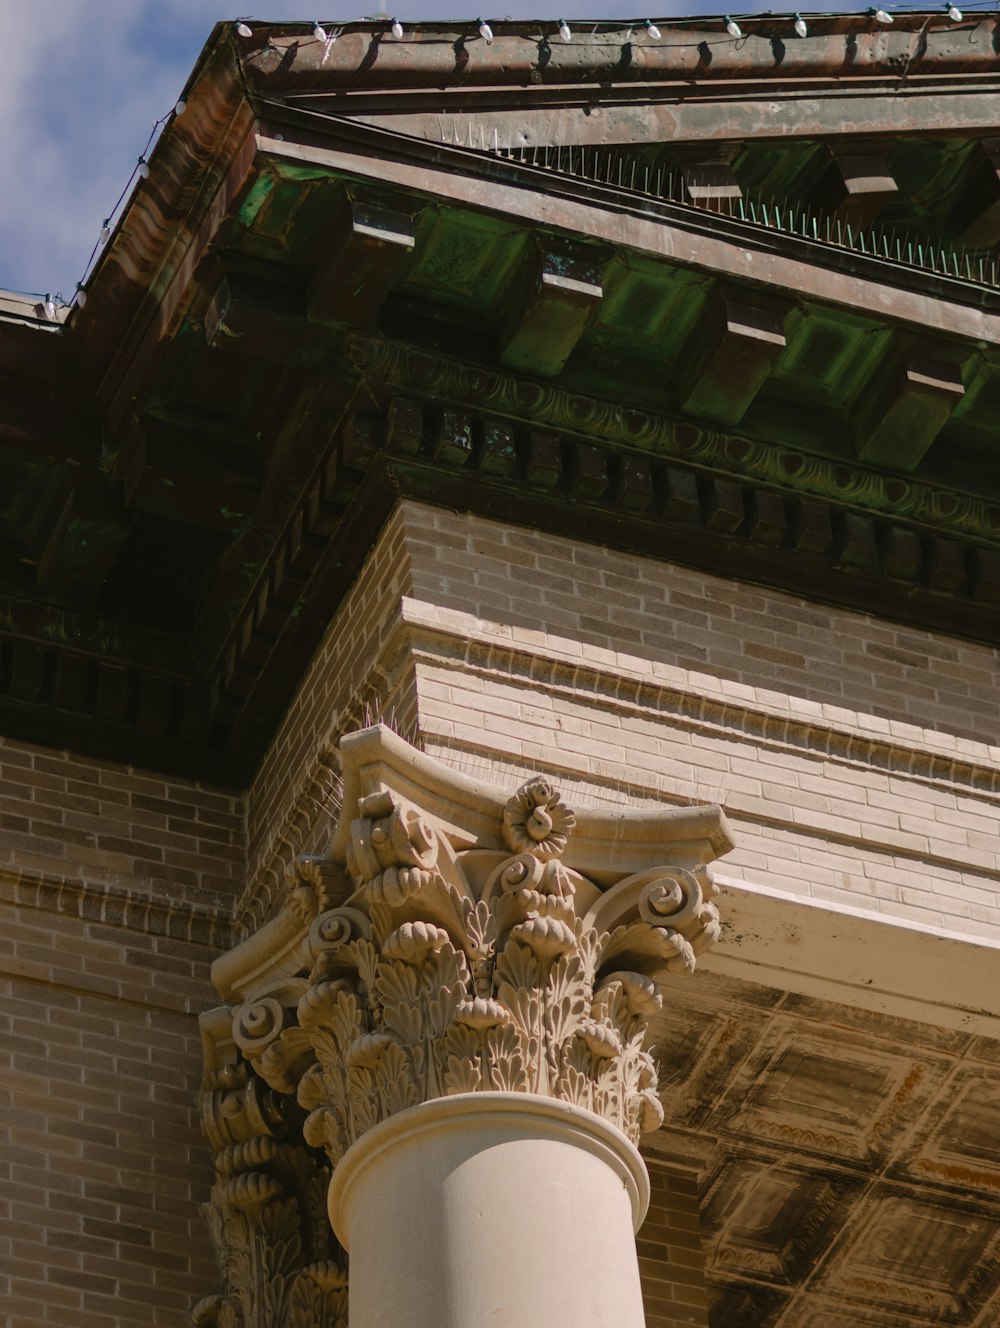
point(849, 1159)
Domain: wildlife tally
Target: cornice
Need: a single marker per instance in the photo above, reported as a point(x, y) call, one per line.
point(451, 637)
point(435, 377)
point(286, 59)
point(130, 910)
point(354, 429)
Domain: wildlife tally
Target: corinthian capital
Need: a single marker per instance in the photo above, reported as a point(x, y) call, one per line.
point(460, 939)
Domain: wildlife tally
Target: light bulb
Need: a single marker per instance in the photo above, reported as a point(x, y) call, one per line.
point(564, 30)
point(80, 298)
point(181, 107)
point(144, 168)
point(881, 15)
point(733, 28)
point(800, 26)
point(106, 230)
point(243, 29)
point(485, 31)
point(954, 13)
point(49, 308)
point(396, 29)
point(319, 32)
point(652, 29)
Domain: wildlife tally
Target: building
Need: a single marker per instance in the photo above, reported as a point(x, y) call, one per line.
point(611, 415)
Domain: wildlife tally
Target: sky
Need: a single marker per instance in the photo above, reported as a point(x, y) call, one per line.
point(84, 81)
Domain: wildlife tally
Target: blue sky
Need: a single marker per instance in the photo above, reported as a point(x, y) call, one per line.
point(83, 82)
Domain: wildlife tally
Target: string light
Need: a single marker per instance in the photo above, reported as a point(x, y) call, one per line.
point(243, 30)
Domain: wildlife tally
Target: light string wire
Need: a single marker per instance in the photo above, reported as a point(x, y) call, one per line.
point(326, 35)
point(52, 304)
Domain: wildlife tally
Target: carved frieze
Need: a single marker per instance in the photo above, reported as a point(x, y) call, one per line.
point(419, 371)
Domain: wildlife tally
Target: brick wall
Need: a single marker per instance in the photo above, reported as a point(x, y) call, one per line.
point(857, 761)
point(671, 1262)
point(72, 818)
point(102, 1161)
point(115, 891)
point(291, 804)
point(766, 640)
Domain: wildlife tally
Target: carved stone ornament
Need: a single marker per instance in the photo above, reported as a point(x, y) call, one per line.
point(455, 940)
point(267, 1212)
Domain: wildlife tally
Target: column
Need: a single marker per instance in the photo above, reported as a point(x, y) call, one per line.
point(450, 1014)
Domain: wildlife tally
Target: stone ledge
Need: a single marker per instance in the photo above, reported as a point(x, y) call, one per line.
point(700, 700)
point(92, 902)
point(857, 958)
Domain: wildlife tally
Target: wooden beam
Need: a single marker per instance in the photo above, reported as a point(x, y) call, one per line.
point(360, 260)
point(913, 407)
point(262, 313)
point(707, 171)
point(548, 320)
point(739, 345)
point(189, 477)
point(856, 185)
point(84, 540)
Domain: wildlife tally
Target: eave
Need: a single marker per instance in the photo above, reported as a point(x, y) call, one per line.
point(223, 405)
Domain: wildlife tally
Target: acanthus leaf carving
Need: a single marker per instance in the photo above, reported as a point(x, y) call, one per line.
point(266, 1214)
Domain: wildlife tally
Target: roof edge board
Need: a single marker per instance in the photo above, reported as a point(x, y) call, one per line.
point(654, 237)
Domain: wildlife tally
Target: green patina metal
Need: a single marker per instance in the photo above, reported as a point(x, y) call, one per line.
point(555, 332)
